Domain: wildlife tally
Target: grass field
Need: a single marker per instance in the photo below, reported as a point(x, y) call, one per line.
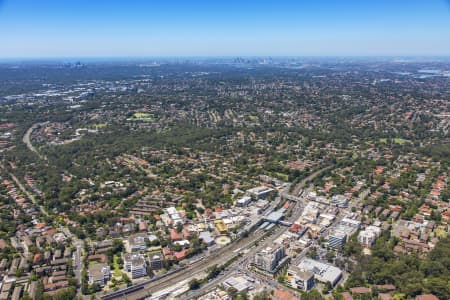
point(117, 271)
point(100, 125)
point(140, 115)
point(282, 176)
point(440, 233)
point(144, 117)
point(398, 141)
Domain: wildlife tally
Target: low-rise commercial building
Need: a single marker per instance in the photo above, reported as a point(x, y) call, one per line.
point(156, 262)
point(222, 228)
point(260, 192)
point(300, 279)
point(137, 243)
point(322, 272)
point(337, 239)
point(206, 237)
point(368, 236)
point(99, 273)
point(244, 201)
point(135, 264)
point(240, 283)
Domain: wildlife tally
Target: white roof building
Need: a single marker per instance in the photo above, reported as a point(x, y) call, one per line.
point(240, 283)
point(174, 215)
point(350, 222)
point(206, 237)
point(368, 236)
point(322, 272)
point(244, 201)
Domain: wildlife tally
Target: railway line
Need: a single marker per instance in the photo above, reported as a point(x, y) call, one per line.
point(146, 289)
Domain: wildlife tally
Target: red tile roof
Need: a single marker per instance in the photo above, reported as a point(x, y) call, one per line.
point(40, 225)
point(426, 297)
point(180, 255)
point(36, 257)
point(347, 296)
point(283, 295)
point(174, 235)
point(386, 287)
point(51, 231)
point(360, 290)
point(383, 296)
point(2, 244)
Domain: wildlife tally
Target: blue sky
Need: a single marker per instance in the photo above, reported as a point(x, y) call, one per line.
point(96, 28)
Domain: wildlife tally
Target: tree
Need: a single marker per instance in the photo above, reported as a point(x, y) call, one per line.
point(232, 292)
point(117, 246)
point(438, 286)
point(312, 295)
point(352, 247)
point(194, 284)
point(242, 296)
point(126, 279)
point(282, 278)
point(94, 288)
point(179, 227)
point(327, 288)
point(213, 271)
point(26, 296)
point(65, 294)
point(264, 295)
point(312, 253)
point(330, 256)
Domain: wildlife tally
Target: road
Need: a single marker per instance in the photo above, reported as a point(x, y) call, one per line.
point(27, 139)
point(78, 243)
point(241, 267)
point(196, 269)
point(302, 183)
point(27, 193)
point(297, 210)
point(217, 258)
point(224, 254)
point(236, 266)
point(77, 263)
point(270, 282)
point(76, 256)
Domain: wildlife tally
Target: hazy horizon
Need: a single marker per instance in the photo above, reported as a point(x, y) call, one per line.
point(226, 59)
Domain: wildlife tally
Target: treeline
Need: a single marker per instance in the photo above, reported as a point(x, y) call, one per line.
point(411, 274)
point(438, 152)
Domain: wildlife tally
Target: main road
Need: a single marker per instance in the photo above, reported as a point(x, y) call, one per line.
point(26, 192)
point(78, 243)
point(77, 263)
point(219, 257)
point(296, 211)
point(251, 251)
point(27, 139)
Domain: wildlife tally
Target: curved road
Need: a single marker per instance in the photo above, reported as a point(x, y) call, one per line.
point(27, 139)
point(302, 183)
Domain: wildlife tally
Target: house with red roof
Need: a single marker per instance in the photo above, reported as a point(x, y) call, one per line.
point(50, 231)
point(174, 235)
point(180, 255)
